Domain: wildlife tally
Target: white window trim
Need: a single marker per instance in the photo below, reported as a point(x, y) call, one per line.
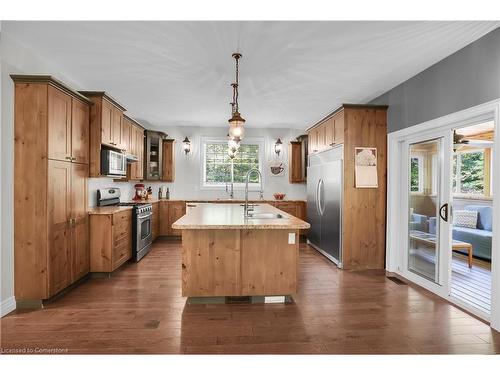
point(458, 186)
point(223, 140)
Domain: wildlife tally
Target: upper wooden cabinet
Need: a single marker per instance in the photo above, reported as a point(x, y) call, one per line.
point(59, 117)
point(50, 186)
point(68, 133)
point(168, 160)
point(135, 170)
point(327, 133)
point(297, 162)
point(80, 130)
point(106, 121)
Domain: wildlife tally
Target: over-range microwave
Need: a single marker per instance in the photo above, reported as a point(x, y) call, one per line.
point(113, 163)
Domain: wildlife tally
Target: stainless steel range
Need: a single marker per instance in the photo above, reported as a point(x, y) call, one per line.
point(141, 220)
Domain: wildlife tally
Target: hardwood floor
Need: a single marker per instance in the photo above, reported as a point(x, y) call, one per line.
point(140, 310)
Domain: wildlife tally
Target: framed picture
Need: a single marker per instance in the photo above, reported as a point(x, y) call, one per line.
point(276, 168)
point(365, 167)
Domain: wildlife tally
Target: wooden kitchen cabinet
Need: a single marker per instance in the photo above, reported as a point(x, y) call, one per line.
point(68, 133)
point(155, 220)
point(327, 133)
point(170, 212)
point(106, 121)
point(339, 127)
point(176, 210)
point(80, 129)
point(110, 240)
point(168, 160)
point(50, 186)
point(288, 207)
point(59, 216)
point(59, 117)
point(135, 170)
point(296, 162)
point(79, 233)
point(125, 132)
point(354, 125)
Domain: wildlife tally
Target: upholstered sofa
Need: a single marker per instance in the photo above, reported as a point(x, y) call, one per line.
point(479, 237)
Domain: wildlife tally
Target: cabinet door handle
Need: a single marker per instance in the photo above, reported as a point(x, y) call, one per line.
point(332, 144)
point(73, 159)
point(68, 157)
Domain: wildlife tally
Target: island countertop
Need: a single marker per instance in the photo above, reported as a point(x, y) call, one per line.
point(230, 216)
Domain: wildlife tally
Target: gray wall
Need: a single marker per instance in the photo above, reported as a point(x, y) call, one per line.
point(469, 77)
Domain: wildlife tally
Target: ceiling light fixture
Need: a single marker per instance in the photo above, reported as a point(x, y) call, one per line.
point(236, 122)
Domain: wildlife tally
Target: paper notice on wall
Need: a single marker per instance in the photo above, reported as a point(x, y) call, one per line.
point(365, 167)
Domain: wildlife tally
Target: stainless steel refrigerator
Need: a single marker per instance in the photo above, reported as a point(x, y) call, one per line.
point(324, 202)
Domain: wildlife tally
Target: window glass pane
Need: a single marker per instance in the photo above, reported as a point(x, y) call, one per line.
point(218, 163)
point(455, 172)
point(414, 175)
point(472, 173)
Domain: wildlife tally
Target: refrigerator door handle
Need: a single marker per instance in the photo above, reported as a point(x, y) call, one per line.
point(318, 208)
point(322, 201)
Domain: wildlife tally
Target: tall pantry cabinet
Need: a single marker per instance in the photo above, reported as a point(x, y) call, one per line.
point(51, 159)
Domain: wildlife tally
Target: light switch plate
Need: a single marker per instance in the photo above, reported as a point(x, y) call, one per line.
point(291, 238)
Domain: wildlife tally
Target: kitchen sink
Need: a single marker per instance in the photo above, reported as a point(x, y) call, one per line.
point(265, 215)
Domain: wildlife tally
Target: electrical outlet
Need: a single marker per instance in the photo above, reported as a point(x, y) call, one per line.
point(291, 238)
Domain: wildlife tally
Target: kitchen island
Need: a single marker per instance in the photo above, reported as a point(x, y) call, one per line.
point(226, 254)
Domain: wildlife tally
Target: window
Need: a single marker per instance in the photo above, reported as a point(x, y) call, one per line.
point(469, 173)
point(416, 174)
point(217, 164)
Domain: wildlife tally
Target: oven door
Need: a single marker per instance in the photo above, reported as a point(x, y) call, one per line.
point(144, 235)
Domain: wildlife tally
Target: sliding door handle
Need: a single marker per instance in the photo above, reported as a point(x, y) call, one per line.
point(444, 210)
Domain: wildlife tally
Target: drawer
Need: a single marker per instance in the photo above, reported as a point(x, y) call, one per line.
point(122, 216)
point(123, 229)
point(121, 253)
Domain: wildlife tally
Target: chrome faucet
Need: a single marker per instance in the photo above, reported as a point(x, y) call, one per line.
point(230, 190)
point(247, 208)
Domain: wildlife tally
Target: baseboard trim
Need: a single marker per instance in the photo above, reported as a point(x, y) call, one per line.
point(7, 306)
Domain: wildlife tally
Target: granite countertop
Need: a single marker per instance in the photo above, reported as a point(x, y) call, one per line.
point(230, 216)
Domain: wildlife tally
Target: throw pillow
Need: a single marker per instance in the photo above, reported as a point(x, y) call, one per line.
point(465, 219)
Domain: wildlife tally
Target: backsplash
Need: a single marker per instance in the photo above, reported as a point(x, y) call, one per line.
point(126, 188)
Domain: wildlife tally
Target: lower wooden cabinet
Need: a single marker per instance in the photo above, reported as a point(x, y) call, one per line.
point(110, 240)
point(80, 254)
point(170, 212)
point(294, 208)
point(68, 224)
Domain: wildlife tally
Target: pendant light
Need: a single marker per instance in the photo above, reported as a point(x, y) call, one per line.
point(236, 122)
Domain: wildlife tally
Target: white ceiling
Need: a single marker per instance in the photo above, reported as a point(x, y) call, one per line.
point(292, 73)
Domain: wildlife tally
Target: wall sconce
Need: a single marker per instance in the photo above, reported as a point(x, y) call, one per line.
point(186, 145)
point(278, 147)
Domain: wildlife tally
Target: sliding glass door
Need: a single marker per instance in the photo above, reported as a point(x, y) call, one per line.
point(427, 181)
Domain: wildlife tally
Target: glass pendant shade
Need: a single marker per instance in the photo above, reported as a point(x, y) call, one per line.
point(236, 126)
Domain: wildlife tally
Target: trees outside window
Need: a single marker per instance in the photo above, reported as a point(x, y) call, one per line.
point(468, 173)
point(217, 164)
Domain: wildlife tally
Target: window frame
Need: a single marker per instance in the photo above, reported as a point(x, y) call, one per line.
point(237, 185)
